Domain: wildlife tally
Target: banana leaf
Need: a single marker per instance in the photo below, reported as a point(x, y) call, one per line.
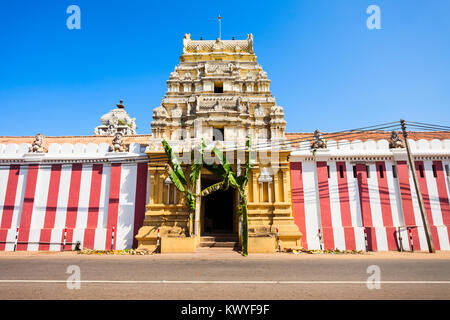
point(174, 162)
point(176, 181)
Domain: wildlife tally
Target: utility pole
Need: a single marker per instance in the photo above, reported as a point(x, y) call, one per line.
point(419, 193)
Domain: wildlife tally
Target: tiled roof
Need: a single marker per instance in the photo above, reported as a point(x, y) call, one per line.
point(291, 136)
point(368, 135)
point(139, 138)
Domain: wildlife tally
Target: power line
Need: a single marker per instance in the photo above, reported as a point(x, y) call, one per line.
point(352, 133)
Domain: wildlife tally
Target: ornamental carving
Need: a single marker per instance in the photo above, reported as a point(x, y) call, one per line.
point(395, 141)
point(117, 120)
point(318, 141)
point(38, 144)
point(118, 143)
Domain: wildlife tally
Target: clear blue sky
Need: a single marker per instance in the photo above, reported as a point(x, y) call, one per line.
point(328, 70)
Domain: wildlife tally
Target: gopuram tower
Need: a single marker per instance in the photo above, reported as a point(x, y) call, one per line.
point(219, 93)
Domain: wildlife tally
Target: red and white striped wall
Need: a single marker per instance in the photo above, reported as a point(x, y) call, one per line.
point(101, 205)
point(337, 206)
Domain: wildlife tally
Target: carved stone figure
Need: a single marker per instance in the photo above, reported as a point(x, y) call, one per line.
point(259, 111)
point(395, 141)
point(118, 143)
point(38, 144)
point(318, 141)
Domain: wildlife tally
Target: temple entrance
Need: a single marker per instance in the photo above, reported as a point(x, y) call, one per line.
point(218, 210)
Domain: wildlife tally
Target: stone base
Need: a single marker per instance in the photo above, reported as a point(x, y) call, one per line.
point(178, 245)
point(261, 244)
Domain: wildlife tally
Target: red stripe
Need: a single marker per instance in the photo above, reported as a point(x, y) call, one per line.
point(415, 236)
point(72, 202)
point(392, 238)
point(385, 203)
point(27, 208)
point(325, 210)
point(371, 238)
point(140, 201)
point(94, 202)
point(50, 210)
point(407, 204)
point(113, 206)
point(9, 203)
point(350, 241)
point(385, 199)
point(426, 201)
point(405, 191)
point(442, 193)
point(298, 200)
point(344, 201)
point(366, 211)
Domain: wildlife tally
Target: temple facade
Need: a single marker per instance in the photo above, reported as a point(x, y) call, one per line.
point(111, 190)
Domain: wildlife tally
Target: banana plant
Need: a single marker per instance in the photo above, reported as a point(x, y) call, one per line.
point(224, 171)
point(185, 182)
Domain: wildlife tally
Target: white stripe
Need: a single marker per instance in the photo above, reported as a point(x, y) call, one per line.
point(443, 237)
point(100, 239)
point(125, 221)
point(55, 239)
point(20, 195)
point(78, 236)
point(374, 196)
point(4, 174)
point(352, 184)
point(359, 238)
point(354, 188)
point(433, 194)
point(18, 203)
point(394, 196)
point(418, 217)
point(83, 202)
point(63, 197)
point(335, 208)
point(309, 193)
point(104, 197)
point(380, 234)
point(100, 232)
point(39, 206)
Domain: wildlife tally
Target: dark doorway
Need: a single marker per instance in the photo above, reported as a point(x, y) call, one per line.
point(218, 209)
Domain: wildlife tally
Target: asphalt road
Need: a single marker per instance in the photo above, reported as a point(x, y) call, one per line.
point(228, 277)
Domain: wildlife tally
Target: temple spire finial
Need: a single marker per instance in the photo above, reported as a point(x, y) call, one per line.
point(220, 27)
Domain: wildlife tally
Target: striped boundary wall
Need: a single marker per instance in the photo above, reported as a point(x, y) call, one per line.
point(101, 205)
point(373, 209)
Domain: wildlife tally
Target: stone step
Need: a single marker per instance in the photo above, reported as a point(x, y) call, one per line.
point(219, 238)
point(223, 244)
point(216, 250)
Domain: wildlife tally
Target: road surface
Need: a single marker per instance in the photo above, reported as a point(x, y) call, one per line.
point(225, 276)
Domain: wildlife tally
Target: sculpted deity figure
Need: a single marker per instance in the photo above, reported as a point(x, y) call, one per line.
point(38, 144)
point(395, 141)
point(318, 140)
point(118, 143)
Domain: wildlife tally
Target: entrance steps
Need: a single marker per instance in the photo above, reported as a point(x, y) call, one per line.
point(219, 240)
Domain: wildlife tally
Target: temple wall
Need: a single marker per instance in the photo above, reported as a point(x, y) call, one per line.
point(345, 192)
point(81, 192)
